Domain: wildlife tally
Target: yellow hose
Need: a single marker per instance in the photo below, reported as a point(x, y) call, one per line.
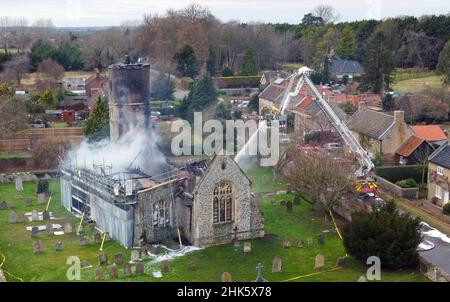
point(8, 273)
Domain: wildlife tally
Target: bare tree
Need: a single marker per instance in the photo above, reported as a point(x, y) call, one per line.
point(13, 114)
point(326, 12)
point(16, 69)
point(47, 152)
point(5, 28)
point(49, 72)
point(318, 177)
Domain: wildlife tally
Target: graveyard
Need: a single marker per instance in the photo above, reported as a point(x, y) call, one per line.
point(300, 245)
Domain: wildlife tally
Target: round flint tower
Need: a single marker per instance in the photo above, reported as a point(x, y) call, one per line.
point(129, 97)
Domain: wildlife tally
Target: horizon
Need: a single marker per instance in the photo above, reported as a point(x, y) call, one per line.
point(103, 13)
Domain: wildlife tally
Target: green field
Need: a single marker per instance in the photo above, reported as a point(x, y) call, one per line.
point(418, 84)
point(16, 244)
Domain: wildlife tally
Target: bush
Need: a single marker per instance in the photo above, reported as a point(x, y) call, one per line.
point(446, 209)
point(227, 72)
point(407, 183)
point(396, 173)
point(42, 186)
point(387, 234)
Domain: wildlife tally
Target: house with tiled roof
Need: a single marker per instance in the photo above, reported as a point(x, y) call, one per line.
point(431, 133)
point(413, 151)
point(379, 132)
point(341, 67)
point(439, 175)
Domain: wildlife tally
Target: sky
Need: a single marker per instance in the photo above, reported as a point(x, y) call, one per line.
point(114, 12)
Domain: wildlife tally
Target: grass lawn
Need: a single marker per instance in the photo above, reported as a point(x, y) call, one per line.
point(7, 155)
point(418, 84)
point(59, 124)
point(16, 244)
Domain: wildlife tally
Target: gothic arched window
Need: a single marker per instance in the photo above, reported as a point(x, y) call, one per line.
point(223, 202)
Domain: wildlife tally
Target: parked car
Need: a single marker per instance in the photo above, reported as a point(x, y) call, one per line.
point(333, 146)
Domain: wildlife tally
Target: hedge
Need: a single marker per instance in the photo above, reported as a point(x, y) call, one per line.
point(397, 173)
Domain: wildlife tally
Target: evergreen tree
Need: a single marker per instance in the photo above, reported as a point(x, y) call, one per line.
point(96, 127)
point(162, 87)
point(254, 103)
point(388, 102)
point(227, 72)
point(40, 51)
point(378, 63)
point(346, 47)
point(249, 67)
point(211, 64)
point(69, 56)
point(187, 62)
point(443, 66)
point(47, 99)
point(326, 70)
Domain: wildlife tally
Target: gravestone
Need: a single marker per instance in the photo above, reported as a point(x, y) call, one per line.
point(99, 274)
point(19, 184)
point(29, 202)
point(283, 203)
point(296, 200)
point(265, 180)
point(259, 275)
point(84, 240)
point(276, 265)
point(135, 255)
point(139, 268)
point(37, 247)
point(273, 203)
point(289, 206)
point(113, 274)
point(310, 241)
point(85, 264)
point(286, 243)
point(118, 258)
point(103, 259)
point(165, 266)
point(45, 215)
point(341, 261)
point(277, 211)
point(58, 246)
point(191, 265)
point(34, 215)
point(321, 239)
point(127, 270)
point(12, 217)
point(13, 205)
point(41, 198)
point(20, 217)
point(3, 205)
point(247, 247)
point(49, 229)
point(34, 232)
point(300, 243)
point(98, 238)
point(226, 277)
point(320, 261)
point(68, 228)
point(361, 279)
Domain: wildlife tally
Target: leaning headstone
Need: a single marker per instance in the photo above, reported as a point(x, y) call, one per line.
point(19, 184)
point(127, 270)
point(68, 228)
point(296, 200)
point(3, 205)
point(20, 217)
point(34, 215)
point(29, 202)
point(247, 247)
point(139, 268)
point(103, 259)
point(320, 261)
point(361, 279)
point(58, 246)
point(86, 264)
point(300, 243)
point(321, 239)
point(283, 203)
point(165, 266)
point(135, 255)
point(226, 277)
point(12, 217)
point(289, 206)
point(41, 198)
point(276, 265)
point(286, 243)
point(99, 274)
point(118, 258)
point(341, 261)
point(37, 247)
point(310, 241)
point(113, 274)
point(45, 215)
point(13, 205)
point(49, 229)
point(98, 238)
point(34, 232)
point(84, 240)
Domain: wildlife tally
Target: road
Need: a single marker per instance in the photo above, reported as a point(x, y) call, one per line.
point(440, 254)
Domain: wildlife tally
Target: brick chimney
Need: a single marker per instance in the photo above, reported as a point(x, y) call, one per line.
point(399, 116)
